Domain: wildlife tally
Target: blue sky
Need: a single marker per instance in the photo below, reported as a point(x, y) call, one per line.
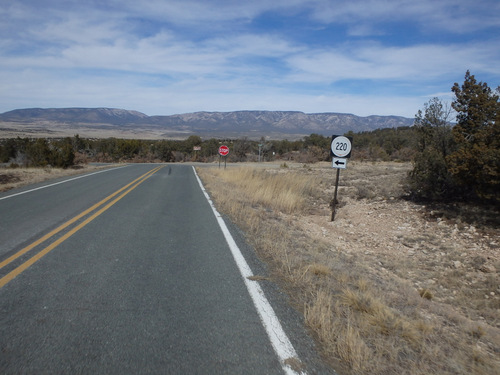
point(165, 57)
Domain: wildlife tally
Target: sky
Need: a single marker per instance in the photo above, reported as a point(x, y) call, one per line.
point(164, 57)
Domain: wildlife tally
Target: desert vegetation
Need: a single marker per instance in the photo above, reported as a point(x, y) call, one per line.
point(26, 160)
point(463, 161)
point(389, 287)
point(11, 178)
point(383, 144)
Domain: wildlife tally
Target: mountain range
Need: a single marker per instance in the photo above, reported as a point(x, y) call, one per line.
point(105, 122)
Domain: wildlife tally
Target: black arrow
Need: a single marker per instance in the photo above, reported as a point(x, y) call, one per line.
point(339, 162)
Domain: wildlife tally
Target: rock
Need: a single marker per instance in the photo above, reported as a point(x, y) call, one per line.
point(478, 261)
point(457, 264)
point(487, 268)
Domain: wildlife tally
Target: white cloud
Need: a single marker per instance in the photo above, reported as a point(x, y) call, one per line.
point(33, 89)
point(196, 11)
point(457, 16)
point(251, 44)
point(408, 64)
point(142, 55)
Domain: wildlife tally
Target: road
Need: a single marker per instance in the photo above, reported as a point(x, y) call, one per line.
point(127, 271)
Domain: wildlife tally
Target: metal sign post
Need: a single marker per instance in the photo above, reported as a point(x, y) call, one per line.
point(223, 151)
point(340, 150)
point(334, 201)
point(196, 148)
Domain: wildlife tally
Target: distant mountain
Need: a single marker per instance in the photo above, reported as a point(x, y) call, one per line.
point(288, 122)
point(75, 115)
point(254, 124)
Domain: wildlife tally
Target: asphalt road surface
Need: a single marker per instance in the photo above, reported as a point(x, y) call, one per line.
point(128, 271)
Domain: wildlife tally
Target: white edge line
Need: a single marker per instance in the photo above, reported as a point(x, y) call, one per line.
point(60, 182)
point(279, 340)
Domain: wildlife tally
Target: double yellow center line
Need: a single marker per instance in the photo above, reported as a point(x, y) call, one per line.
point(124, 191)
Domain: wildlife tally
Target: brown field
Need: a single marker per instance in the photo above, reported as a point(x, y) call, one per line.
point(11, 178)
point(55, 130)
point(389, 287)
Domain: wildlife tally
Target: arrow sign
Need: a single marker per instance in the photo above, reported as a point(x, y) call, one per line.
point(339, 163)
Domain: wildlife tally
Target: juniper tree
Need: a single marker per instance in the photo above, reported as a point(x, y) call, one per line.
point(430, 178)
point(476, 161)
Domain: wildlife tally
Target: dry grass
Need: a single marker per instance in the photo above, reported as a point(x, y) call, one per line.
point(367, 300)
point(11, 178)
point(278, 192)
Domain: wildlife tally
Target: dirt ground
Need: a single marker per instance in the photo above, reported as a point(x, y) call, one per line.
point(400, 239)
point(453, 254)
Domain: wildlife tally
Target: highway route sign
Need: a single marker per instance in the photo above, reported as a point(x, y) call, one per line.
point(340, 150)
point(341, 146)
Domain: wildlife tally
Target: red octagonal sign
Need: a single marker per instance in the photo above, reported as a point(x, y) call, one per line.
point(223, 150)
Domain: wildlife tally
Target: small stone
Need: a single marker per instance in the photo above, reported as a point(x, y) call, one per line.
point(487, 268)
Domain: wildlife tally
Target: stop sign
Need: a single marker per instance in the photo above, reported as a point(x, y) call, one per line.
point(223, 150)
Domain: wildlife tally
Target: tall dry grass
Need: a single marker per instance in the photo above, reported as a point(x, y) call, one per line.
point(12, 178)
point(276, 191)
point(365, 324)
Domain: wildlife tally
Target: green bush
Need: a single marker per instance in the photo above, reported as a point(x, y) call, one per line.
point(430, 178)
point(476, 161)
point(460, 162)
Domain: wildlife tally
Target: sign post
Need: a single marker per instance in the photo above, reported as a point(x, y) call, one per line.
point(340, 150)
point(223, 151)
point(196, 148)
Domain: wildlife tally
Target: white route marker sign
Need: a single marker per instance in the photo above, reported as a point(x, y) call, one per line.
point(341, 146)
